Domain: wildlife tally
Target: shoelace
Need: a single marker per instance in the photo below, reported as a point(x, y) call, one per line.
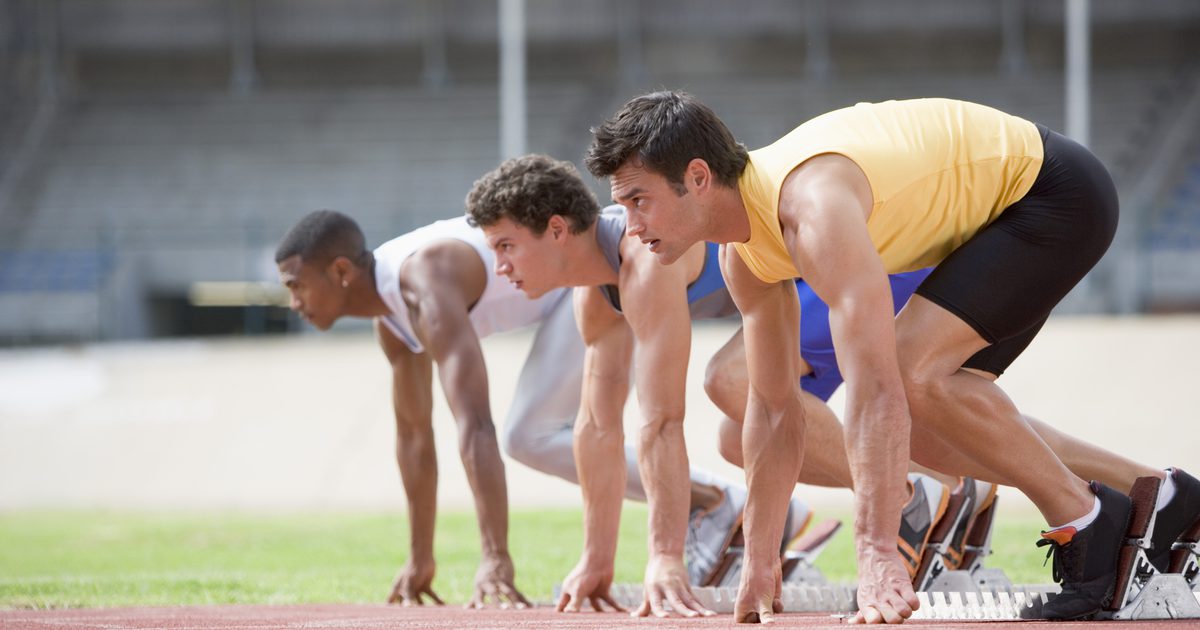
point(1062, 554)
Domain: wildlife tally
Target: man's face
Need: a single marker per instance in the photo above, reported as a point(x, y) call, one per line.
point(316, 293)
point(529, 261)
point(657, 214)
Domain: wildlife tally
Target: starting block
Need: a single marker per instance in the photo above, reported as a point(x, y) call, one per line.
point(1185, 556)
point(1142, 592)
point(798, 560)
point(943, 570)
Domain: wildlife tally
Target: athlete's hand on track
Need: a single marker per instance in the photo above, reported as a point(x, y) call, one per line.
point(413, 583)
point(667, 582)
point(494, 582)
point(885, 592)
point(587, 582)
point(760, 593)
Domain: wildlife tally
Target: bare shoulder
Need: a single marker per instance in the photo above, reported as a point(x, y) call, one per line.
point(593, 314)
point(742, 283)
point(443, 264)
point(824, 181)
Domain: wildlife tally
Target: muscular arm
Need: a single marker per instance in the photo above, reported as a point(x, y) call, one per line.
point(441, 320)
point(655, 304)
point(599, 431)
point(823, 210)
point(599, 447)
point(773, 433)
point(415, 455)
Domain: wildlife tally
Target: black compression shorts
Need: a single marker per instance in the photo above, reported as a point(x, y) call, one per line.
point(1005, 280)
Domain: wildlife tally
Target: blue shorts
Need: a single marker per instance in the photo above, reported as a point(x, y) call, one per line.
point(816, 342)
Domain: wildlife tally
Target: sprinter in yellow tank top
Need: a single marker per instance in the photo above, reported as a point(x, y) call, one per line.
point(1012, 214)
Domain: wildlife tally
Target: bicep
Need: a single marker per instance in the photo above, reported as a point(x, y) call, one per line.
point(770, 325)
point(831, 246)
point(450, 340)
point(412, 380)
point(657, 309)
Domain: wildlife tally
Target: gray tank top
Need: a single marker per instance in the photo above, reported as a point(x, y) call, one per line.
point(710, 303)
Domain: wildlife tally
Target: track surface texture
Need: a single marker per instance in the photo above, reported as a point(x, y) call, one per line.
point(379, 616)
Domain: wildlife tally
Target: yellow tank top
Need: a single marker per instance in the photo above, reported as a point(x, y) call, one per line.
point(940, 171)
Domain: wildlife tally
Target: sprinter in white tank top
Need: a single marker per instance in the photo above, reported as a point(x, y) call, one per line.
point(433, 297)
point(408, 285)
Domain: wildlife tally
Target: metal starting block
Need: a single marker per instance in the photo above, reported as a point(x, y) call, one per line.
point(824, 598)
point(842, 599)
point(981, 605)
point(1141, 591)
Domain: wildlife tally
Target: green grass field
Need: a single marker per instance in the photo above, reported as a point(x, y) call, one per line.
point(95, 558)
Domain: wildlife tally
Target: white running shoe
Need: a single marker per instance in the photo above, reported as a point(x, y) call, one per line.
point(710, 531)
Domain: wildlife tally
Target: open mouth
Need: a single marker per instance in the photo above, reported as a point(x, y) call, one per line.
point(653, 244)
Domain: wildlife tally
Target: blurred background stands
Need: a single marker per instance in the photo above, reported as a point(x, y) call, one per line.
point(152, 152)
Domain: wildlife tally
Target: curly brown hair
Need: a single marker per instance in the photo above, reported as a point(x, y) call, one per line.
point(666, 131)
point(528, 190)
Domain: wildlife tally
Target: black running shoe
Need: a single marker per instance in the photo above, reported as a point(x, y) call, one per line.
point(1085, 561)
point(1175, 518)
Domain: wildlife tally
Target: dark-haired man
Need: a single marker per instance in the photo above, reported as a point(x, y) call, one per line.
point(433, 298)
point(1012, 214)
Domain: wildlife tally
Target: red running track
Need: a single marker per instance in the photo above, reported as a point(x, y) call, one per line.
point(343, 616)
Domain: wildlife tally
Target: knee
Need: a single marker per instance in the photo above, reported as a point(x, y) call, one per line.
point(717, 382)
point(925, 390)
point(729, 441)
point(519, 444)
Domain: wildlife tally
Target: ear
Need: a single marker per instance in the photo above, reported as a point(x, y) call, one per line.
point(697, 176)
point(343, 270)
point(558, 226)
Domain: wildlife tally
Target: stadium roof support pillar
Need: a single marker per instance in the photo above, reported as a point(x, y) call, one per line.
point(1078, 69)
point(630, 61)
point(243, 76)
point(512, 78)
point(818, 62)
point(1012, 33)
point(49, 51)
point(435, 70)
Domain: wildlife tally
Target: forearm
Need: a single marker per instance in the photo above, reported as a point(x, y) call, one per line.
point(599, 461)
point(663, 463)
point(485, 472)
point(417, 460)
point(877, 445)
point(772, 448)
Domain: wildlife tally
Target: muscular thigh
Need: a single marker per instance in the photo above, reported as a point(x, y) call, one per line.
point(1004, 281)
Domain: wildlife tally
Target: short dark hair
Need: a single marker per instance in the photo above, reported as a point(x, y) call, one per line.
point(530, 189)
point(322, 236)
point(666, 131)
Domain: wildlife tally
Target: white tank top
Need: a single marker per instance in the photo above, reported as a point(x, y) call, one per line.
point(501, 307)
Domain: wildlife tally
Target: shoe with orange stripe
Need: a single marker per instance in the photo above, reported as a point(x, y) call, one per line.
point(1085, 560)
point(943, 551)
point(928, 499)
point(976, 526)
